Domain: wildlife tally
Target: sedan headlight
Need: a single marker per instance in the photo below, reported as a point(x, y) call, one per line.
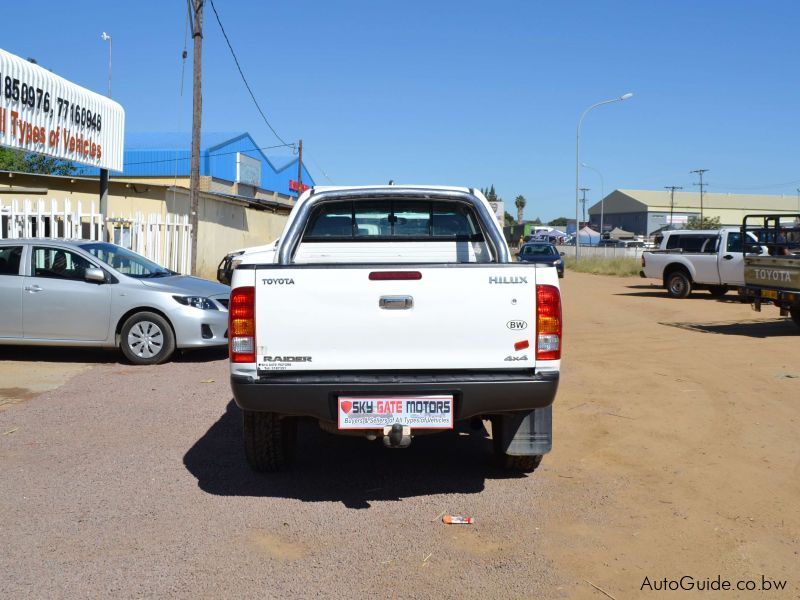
point(196, 302)
point(558, 262)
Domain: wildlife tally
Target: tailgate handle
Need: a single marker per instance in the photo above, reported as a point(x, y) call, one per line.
point(396, 302)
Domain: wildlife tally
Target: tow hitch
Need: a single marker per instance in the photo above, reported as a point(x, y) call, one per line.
point(397, 436)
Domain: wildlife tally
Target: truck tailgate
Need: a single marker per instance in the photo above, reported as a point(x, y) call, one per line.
point(442, 317)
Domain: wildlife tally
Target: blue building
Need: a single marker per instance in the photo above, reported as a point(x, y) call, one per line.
point(230, 163)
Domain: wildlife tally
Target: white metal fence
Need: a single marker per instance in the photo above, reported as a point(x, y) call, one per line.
point(604, 251)
point(163, 239)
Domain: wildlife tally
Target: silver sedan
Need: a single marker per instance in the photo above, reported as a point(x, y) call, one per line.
point(84, 293)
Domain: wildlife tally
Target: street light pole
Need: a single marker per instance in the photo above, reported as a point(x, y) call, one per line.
point(578, 166)
point(107, 38)
point(602, 194)
point(104, 172)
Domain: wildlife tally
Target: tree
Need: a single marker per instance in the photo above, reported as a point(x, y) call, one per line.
point(19, 161)
point(490, 194)
point(706, 223)
point(12, 160)
point(520, 202)
point(559, 222)
point(509, 219)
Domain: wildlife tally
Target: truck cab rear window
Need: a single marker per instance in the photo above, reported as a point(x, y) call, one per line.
point(692, 243)
point(411, 220)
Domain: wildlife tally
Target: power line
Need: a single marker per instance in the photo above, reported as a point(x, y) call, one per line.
point(244, 79)
point(672, 189)
point(702, 189)
point(321, 170)
point(583, 201)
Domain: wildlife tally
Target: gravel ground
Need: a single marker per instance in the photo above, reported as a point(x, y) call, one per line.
point(131, 481)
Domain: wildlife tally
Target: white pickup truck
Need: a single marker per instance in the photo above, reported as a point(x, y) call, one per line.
point(389, 312)
point(699, 259)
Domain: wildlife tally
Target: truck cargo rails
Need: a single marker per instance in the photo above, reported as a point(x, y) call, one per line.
point(773, 276)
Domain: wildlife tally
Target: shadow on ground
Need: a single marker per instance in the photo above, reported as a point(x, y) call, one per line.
point(653, 291)
point(353, 471)
point(64, 354)
point(752, 328)
point(58, 354)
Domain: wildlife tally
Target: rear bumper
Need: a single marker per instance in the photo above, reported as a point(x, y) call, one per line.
point(474, 393)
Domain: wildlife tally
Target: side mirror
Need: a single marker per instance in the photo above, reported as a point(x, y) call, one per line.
point(94, 274)
point(755, 249)
point(561, 253)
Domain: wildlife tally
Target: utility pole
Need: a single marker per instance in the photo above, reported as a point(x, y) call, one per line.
point(197, 113)
point(672, 189)
point(798, 199)
point(583, 202)
point(702, 189)
point(299, 169)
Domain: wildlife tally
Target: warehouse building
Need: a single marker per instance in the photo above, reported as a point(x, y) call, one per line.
point(647, 211)
point(230, 163)
point(245, 199)
point(150, 217)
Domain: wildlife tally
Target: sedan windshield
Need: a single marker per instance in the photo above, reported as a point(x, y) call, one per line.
point(539, 250)
point(126, 262)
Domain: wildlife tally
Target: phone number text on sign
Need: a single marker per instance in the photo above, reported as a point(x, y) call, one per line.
point(43, 113)
point(424, 412)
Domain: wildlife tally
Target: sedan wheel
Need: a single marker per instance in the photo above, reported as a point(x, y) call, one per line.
point(147, 339)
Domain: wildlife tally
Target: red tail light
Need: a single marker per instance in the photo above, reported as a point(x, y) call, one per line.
point(548, 322)
point(242, 325)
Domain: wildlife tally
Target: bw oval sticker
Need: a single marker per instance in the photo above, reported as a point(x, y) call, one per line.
point(516, 325)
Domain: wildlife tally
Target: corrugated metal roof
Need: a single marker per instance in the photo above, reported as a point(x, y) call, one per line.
point(177, 140)
point(659, 200)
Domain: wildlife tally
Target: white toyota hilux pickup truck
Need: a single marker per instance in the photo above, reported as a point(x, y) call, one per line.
point(389, 312)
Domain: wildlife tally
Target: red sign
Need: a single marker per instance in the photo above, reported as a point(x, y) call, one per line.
point(293, 186)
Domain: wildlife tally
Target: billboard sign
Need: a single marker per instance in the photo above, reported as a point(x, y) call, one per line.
point(248, 170)
point(43, 113)
point(499, 209)
point(295, 186)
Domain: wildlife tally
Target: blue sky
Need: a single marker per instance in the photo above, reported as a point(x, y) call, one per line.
point(466, 93)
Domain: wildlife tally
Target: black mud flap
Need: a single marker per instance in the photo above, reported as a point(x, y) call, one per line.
point(526, 433)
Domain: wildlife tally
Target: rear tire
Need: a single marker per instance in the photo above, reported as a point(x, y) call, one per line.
point(510, 462)
point(678, 284)
point(269, 440)
point(521, 464)
point(794, 312)
point(718, 291)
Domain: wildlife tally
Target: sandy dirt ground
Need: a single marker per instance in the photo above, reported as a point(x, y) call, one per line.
point(27, 372)
point(676, 454)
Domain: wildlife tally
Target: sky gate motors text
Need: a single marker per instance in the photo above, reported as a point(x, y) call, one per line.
point(431, 407)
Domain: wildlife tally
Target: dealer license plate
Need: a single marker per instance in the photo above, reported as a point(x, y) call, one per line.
point(377, 412)
point(772, 294)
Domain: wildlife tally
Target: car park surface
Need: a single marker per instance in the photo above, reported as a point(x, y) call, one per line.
point(130, 481)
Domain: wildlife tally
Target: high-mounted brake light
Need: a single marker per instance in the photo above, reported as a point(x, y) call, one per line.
point(395, 275)
point(242, 325)
point(548, 322)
